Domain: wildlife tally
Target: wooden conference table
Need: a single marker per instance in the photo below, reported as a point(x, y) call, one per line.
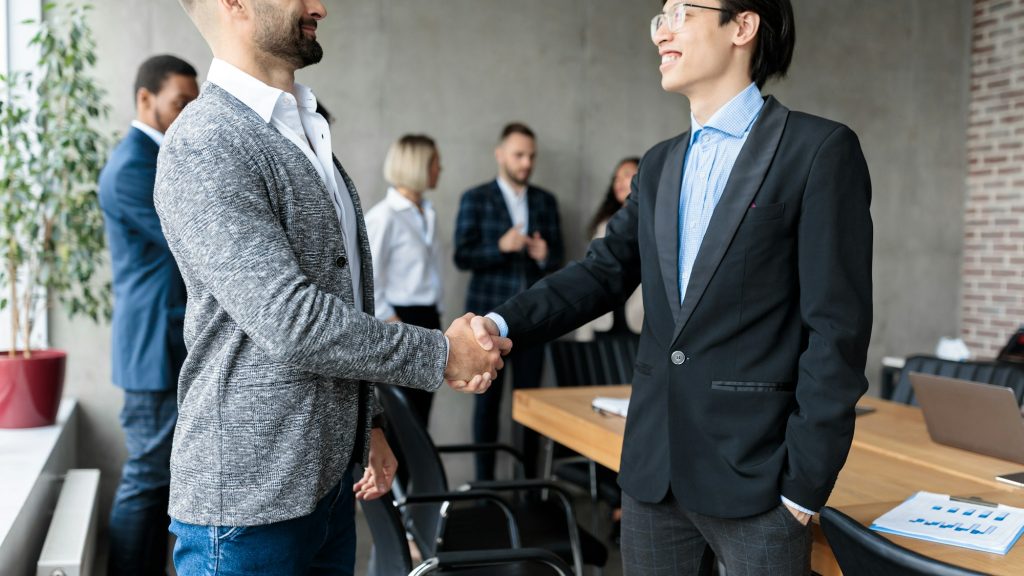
point(892, 458)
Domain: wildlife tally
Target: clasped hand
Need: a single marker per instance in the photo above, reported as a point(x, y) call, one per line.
point(475, 354)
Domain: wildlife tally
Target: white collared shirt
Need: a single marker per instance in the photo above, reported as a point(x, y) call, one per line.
point(406, 254)
point(517, 205)
point(154, 134)
point(296, 119)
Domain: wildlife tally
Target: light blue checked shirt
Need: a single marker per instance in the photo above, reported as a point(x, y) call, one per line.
point(707, 166)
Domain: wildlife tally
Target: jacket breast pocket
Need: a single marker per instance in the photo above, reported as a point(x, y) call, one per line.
point(734, 386)
point(642, 368)
point(766, 212)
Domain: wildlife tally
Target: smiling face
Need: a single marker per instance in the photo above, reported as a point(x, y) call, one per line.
point(700, 54)
point(286, 29)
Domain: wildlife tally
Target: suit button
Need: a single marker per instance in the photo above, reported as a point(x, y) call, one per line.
point(341, 261)
point(678, 358)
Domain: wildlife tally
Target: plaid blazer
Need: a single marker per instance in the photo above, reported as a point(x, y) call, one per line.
point(483, 219)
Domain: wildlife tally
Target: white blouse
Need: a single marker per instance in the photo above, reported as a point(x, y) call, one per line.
point(406, 254)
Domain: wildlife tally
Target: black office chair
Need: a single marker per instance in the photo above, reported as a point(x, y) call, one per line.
point(438, 526)
point(999, 374)
point(862, 552)
point(391, 557)
point(607, 360)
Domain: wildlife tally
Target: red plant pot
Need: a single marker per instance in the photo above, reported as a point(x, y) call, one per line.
point(30, 388)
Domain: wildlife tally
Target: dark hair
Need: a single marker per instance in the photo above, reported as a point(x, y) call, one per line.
point(516, 128)
point(610, 205)
point(155, 71)
point(776, 36)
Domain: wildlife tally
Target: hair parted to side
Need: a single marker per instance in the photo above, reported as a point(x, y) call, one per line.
point(154, 72)
point(516, 128)
point(776, 36)
point(407, 164)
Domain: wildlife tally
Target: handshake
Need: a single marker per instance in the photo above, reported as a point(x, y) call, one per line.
point(475, 352)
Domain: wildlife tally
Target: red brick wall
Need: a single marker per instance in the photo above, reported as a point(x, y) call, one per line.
point(992, 302)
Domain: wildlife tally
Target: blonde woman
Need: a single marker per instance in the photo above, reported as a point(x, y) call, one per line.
point(403, 241)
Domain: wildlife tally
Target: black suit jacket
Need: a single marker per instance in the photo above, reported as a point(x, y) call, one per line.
point(746, 390)
point(483, 219)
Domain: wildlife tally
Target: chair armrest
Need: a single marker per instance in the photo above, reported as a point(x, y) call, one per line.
point(557, 489)
point(446, 498)
point(492, 557)
point(483, 447)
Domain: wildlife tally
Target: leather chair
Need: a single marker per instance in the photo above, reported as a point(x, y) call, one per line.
point(607, 360)
point(862, 552)
point(391, 557)
point(997, 373)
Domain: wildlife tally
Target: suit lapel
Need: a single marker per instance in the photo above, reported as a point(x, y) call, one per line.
point(365, 259)
point(666, 219)
point(747, 175)
point(498, 197)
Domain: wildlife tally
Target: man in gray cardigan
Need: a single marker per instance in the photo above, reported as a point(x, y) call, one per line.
point(276, 398)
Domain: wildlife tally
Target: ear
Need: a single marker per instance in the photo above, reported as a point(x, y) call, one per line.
point(498, 152)
point(747, 25)
point(235, 8)
point(144, 99)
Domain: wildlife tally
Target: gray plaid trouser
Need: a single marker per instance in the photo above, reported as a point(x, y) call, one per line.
point(666, 540)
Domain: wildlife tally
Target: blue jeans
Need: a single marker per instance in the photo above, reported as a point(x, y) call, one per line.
point(138, 519)
point(323, 542)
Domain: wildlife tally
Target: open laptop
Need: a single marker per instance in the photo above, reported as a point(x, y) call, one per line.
point(978, 417)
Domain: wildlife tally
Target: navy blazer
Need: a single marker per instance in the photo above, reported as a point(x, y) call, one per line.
point(483, 219)
point(744, 387)
point(148, 346)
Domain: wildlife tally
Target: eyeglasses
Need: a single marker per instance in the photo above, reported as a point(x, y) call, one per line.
point(676, 17)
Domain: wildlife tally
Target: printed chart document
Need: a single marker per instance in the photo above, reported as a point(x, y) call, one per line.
point(616, 406)
point(966, 523)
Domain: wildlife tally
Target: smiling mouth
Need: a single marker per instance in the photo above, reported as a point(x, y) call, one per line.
point(670, 57)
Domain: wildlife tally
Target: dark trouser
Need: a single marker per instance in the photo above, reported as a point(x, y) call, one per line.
point(419, 400)
point(138, 520)
point(527, 365)
point(322, 542)
point(666, 540)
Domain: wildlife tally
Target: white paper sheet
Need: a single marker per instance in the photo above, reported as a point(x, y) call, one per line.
point(938, 518)
point(616, 406)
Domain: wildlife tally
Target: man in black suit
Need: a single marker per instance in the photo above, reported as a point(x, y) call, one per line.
point(507, 234)
point(751, 236)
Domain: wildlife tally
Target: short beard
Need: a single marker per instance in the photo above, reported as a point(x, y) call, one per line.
point(291, 45)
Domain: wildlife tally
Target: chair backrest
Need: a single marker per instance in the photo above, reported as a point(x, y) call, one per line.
point(997, 373)
point(608, 359)
point(423, 464)
point(862, 552)
point(390, 549)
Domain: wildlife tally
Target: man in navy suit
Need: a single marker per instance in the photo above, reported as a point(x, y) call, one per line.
point(149, 309)
point(508, 235)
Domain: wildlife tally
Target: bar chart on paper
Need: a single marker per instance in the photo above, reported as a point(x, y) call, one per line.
point(977, 525)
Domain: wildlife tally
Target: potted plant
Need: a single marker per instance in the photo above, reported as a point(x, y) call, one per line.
point(51, 226)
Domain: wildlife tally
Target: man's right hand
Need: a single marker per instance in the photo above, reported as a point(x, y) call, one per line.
point(513, 240)
point(471, 367)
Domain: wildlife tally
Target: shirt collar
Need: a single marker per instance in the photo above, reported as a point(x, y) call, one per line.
point(736, 117)
point(154, 134)
point(254, 93)
point(398, 202)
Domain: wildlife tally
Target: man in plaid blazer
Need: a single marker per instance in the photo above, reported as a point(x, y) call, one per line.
point(508, 235)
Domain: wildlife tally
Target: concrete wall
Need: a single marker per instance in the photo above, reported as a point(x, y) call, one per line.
point(584, 74)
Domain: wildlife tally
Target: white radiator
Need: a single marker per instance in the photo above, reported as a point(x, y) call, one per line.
point(71, 539)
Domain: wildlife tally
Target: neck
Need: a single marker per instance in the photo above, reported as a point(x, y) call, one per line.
point(416, 197)
point(271, 71)
point(704, 102)
point(519, 189)
point(148, 122)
